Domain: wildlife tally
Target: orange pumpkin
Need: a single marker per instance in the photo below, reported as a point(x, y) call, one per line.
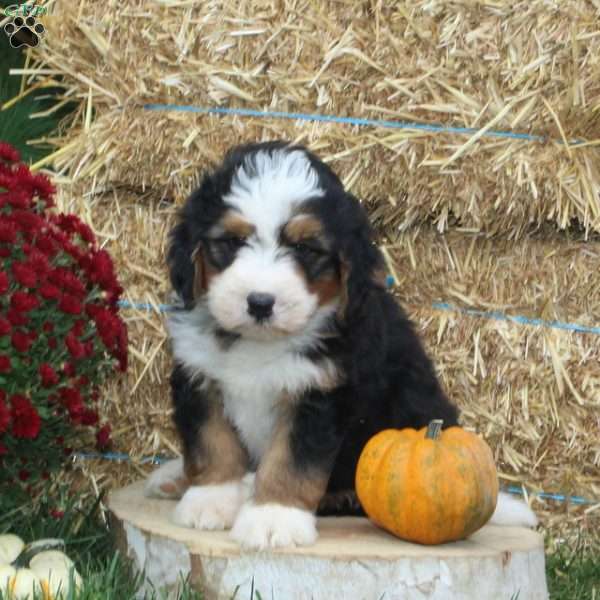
point(428, 486)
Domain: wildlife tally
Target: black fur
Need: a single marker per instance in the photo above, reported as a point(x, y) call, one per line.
point(389, 382)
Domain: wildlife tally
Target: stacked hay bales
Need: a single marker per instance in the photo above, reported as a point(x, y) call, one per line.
point(526, 67)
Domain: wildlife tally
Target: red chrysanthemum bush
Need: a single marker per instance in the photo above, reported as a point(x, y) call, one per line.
point(60, 331)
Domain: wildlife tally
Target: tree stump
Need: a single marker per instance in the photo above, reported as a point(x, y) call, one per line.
point(352, 560)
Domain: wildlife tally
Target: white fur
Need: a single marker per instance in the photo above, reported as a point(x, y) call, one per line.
point(211, 506)
point(169, 475)
point(252, 374)
point(266, 189)
point(269, 185)
point(259, 267)
point(511, 512)
point(273, 526)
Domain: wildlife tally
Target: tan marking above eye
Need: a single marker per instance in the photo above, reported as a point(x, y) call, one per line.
point(234, 224)
point(303, 227)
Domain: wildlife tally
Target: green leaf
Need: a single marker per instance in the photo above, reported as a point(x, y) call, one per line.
point(16, 126)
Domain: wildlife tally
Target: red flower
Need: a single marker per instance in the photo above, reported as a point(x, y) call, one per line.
point(44, 188)
point(48, 375)
point(3, 449)
point(4, 413)
point(79, 327)
point(46, 245)
point(89, 417)
point(17, 318)
point(8, 153)
point(5, 365)
point(25, 418)
point(21, 341)
point(19, 199)
point(4, 282)
point(103, 437)
point(70, 305)
point(48, 327)
point(4, 326)
point(28, 220)
point(24, 474)
point(57, 514)
point(24, 274)
point(23, 302)
point(73, 402)
point(102, 270)
point(75, 347)
point(8, 232)
point(38, 262)
point(49, 291)
point(52, 343)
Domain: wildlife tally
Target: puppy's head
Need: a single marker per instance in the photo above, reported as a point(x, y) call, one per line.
point(272, 243)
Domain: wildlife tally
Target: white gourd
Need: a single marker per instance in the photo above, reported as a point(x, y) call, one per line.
point(24, 585)
point(54, 567)
point(10, 548)
point(7, 572)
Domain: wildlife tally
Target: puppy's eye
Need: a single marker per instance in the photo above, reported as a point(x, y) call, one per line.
point(230, 243)
point(307, 249)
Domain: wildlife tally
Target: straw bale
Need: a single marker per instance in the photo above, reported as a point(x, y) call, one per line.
point(534, 393)
point(525, 66)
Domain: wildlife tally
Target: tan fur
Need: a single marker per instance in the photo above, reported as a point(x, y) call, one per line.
point(278, 480)
point(218, 456)
point(326, 288)
point(303, 227)
point(233, 223)
point(344, 275)
point(200, 272)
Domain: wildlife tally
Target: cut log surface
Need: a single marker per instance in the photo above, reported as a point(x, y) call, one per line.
point(352, 560)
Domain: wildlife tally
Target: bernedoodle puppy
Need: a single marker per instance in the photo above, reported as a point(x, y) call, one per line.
point(289, 351)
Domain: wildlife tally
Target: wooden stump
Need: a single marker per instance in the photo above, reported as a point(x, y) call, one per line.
point(352, 560)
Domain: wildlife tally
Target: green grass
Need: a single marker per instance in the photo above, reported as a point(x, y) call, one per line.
point(574, 572)
point(89, 542)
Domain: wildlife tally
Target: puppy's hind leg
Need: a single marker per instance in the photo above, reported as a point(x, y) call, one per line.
point(168, 481)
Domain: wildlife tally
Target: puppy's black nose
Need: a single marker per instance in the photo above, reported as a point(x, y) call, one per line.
point(260, 305)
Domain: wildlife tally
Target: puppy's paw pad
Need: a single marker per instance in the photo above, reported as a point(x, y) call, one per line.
point(274, 526)
point(168, 481)
point(210, 507)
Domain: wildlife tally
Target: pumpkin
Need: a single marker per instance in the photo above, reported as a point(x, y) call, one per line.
point(427, 486)
point(49, 573)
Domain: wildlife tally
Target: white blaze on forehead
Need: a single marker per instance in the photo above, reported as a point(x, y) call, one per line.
point(268, 186)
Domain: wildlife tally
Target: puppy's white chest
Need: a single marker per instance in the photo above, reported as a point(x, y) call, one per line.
point(253, 413)
point(255, 377)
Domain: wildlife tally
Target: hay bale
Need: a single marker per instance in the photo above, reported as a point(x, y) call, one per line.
point(520, 66)
point(532, 392)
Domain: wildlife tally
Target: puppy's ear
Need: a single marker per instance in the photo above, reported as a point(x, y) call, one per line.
point(200, 272)
point(361, 270)
point(187, 267)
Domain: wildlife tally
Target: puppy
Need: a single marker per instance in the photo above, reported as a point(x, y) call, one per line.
point(289, 351)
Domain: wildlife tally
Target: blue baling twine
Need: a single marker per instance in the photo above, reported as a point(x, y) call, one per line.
point(159, 460)
point(472, 312)
point(494, 315)
point(270, 114)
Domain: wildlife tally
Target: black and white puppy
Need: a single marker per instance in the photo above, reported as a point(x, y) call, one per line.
point(289, 351)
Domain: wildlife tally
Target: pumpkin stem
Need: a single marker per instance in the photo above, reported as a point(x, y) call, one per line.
point(434, 429)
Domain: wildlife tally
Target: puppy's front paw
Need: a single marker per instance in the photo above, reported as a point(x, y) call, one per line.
point(263, 526)
point(210, 506)
point(168, 481)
